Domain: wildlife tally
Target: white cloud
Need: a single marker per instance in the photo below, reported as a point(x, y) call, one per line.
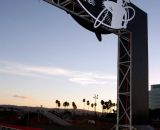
point(85, 81)
point(84, 78)
point(91, 78)
point(20, 97)
point(49, 71)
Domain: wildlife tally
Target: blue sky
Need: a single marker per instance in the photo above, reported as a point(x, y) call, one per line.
point(45, 55)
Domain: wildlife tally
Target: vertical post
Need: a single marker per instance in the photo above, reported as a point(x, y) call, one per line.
point(124, 86)
point(95, 104)
point(139, 29)
point(133, 74)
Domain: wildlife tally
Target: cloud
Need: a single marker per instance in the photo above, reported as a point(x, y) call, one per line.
point(52, 71)
point(20, 97)
point(85, 81)
point(83, 78)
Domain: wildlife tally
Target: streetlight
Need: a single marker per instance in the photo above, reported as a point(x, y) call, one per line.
point(95, 104)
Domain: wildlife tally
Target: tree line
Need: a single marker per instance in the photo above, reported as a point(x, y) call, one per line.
point(107, 106)
point(65, 104)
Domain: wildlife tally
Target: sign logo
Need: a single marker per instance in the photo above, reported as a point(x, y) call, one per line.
point(114, 14)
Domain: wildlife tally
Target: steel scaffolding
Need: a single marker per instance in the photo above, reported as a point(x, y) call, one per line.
point(124, 85)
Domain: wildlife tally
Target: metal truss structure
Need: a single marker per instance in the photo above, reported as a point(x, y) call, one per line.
point(124, 86)
point(72, 7)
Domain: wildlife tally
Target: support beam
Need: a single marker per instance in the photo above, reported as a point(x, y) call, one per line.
point(139, 79)
point(124, 84)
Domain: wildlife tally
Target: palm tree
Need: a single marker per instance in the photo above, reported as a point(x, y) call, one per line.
point(114, 111)
point(65, 104)
point(84, 100)
point(74, 105)
point(102, 103)
point(113, 105)
point(68, 104)
point(56, 102)
point(88, 103)
point(106, 105)
point(110, 105)
point(59, 104)
point(92, 105)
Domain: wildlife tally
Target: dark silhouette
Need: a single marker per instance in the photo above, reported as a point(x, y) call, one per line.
point(88, 103)
point(107, 105)
point(92, 105)
point(66, 104)
point(102, 103)
point(84, 100)
point(58, 104)
point(74, 105)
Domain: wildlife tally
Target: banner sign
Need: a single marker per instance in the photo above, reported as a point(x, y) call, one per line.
point(114, 14)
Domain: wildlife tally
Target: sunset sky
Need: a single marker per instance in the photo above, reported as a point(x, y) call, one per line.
point(45, 55)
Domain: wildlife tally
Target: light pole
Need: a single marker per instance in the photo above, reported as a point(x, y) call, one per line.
point(95, 104)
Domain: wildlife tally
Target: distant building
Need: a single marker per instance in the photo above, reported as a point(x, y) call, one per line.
point(154, 97)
